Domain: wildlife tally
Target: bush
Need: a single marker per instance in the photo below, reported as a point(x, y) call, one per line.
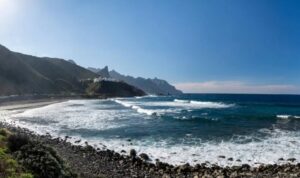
point(43, 161)
point(4, 132)
point(40, 160)
point(15, 142)
point(2, 153)
point(9, 167)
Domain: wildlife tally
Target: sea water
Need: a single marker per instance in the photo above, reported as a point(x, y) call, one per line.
point(191, 128)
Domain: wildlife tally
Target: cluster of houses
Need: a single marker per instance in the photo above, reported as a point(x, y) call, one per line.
point(99, 79)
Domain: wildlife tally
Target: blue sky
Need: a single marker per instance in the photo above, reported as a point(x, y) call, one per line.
point(234, 46)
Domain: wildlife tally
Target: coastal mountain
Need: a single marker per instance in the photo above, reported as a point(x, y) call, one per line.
point(25, 74)
point(150, 86)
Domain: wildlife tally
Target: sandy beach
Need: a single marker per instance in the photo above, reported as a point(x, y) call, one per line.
point(28, 104)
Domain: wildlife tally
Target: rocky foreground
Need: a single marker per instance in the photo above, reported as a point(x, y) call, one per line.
point(85, 161)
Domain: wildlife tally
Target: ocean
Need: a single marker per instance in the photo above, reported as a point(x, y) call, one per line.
point(222, 129)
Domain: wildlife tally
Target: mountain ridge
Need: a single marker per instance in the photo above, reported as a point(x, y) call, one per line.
point(151, 86)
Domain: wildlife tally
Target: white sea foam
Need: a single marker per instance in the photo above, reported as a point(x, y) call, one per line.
point(87, 114)
point(173, 106)
point(204, 104)
point(181, 101)
point(146, 96)
point(135, 107)
point(288, 117)
point(126, 104)
point(144, 111)
point(267, 151)
point(211, 104)
point(184, 104)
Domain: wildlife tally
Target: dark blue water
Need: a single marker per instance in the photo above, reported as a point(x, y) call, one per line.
point(241, 115)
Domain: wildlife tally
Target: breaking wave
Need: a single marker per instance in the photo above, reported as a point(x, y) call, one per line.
point(204, 104)
point(137, 108)
point(288, 117)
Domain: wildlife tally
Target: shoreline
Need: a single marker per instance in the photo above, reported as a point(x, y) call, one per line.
point(90, 162)
point(29, 104)
point(31, 101)
point(87, 161)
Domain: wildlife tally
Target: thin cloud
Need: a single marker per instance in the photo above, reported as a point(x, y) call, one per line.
point(236, 87)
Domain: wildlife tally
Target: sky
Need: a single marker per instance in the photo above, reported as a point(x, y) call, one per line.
point(207, 46)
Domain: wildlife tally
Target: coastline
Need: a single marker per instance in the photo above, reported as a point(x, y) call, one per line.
point(29, 104)
point(89, 162)
point(86, 161)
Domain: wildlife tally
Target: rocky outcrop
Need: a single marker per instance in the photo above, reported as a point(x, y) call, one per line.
point(111, 89)
point(102, 72)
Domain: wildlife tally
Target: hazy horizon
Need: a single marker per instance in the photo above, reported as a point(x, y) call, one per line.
point(199, 46)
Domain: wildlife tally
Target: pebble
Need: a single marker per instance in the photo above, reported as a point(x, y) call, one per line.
point(230, 159)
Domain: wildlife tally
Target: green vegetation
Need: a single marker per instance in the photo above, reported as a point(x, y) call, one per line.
point(9, 167)
point(112, 89)
point(21, 157)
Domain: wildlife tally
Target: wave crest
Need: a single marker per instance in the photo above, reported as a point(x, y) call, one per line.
point(137, 108)
point(204, 104)
point(288, 117)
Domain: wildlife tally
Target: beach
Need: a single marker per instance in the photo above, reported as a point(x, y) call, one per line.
point(89, 161)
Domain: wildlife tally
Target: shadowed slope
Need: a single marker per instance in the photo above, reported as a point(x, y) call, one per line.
point(25, 74)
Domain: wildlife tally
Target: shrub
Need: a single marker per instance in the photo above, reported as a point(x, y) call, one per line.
point(11, 162)
point(2, 153)
point(4, 132)
point(43, 161)
point(15, 142)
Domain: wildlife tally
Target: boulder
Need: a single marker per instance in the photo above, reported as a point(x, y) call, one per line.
point(132, 153)
point(144, 156)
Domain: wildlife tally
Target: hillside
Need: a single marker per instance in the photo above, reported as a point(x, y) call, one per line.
point(25, 74)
